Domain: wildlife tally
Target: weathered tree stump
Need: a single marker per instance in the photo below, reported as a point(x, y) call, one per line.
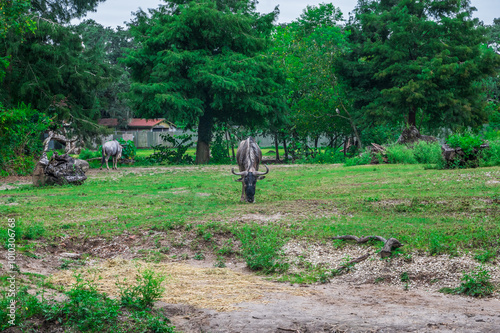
point(389, 244)
point(411, 135)
point(457, 157)
point(60, 170)
point(376, 151)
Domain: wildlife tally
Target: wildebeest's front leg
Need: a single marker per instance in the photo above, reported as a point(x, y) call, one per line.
point(107, 159)
point(243, 195)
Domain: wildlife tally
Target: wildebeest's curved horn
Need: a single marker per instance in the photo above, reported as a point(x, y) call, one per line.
point(257, 173)
point(243, 173)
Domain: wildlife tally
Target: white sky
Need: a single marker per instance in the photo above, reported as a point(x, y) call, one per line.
point(115, 12)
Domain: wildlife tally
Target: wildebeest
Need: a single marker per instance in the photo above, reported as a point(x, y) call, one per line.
point(248, 157)
point(111, 148)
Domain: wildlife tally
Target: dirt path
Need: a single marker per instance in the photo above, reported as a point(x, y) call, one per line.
point(349, 308)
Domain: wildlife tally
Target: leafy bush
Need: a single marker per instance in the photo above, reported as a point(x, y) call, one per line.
point(219, 149)
point(476, 283)
point(400, 154)
point(176, 154)
point(261, 247)
point(86, 154)
point(428, 152)
point(470, 145)
point(491, 156)
point(20, 130)
point(364, 158)
point(129, 150)
point(326, 156)
point(147, 290)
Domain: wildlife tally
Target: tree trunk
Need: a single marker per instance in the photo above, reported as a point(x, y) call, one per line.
point(276, 146)
point(316, 139)
point(286, 150)
point(232, 144)
point(205, 126)
point(412, 117)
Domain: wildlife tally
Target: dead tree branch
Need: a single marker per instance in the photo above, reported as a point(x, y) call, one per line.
point(389, 244)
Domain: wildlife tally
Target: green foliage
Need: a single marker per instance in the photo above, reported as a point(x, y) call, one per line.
point(491, 156)
point(475, 283)
point(89, 310)
point(400, 154)
point(362, 159)
point(175, 153)
point(219, 146)
point(328, 155)
point(147, 290)
point(417, 60)
point(261, 247)
point(470, 145)
point(54, 73)
point(216, 69)
point(85, 309)
point(129, 150)
point(20, 131)
point(485, 256)
point(86, 154)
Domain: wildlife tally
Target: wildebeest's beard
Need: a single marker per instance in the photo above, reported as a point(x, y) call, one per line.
point(250, 181)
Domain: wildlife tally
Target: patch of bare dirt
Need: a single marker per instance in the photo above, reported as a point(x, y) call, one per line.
point(202, 298)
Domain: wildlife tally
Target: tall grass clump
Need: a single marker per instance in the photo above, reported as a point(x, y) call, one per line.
point(261, 247)
point(362, 159)
point(326, 156)
point(400, 154)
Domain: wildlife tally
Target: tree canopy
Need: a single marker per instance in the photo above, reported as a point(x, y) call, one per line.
point(201, 61)
point(418, 62)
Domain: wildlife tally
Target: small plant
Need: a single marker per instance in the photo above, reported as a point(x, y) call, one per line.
point(404, 277)
point(261, 247)
point(199, 256)
point(147, 290)
point(220, 262)
point(475, 283)
point(485, 256)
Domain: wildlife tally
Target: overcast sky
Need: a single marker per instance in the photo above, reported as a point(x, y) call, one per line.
point(115, 12)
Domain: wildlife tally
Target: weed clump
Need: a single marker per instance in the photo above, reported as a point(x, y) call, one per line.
point(475, 283)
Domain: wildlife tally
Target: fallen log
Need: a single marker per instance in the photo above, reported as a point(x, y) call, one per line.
point(389, 244)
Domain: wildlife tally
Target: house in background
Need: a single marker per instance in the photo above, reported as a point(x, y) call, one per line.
point(138, 124)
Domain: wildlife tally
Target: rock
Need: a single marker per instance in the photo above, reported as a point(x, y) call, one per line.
point(70, 255)
point(60, 170)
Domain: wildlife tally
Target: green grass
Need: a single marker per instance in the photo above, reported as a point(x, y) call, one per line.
point(437, 211)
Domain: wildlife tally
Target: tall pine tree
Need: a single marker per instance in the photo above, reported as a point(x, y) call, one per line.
point(202, 61)
point(418, 62)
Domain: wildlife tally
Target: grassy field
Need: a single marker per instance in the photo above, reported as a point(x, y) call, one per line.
point(164, 215)
point(429, 210)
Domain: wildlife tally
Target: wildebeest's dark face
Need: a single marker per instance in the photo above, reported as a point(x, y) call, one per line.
point(250, 181)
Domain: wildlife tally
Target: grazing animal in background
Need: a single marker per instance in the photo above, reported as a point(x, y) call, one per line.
point(111, 148)
point(248, 157)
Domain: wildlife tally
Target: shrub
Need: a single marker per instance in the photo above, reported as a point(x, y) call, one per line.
point(261, 247)
point(491, 156)
point(20, 130)
point(218, 148)
point(364, 158)
point(129, 150)
point(145, 293)
point(326, 156)
point(86, 154)
point(176, 154)
point(400, 154)
point(428, 152)
point(476, 283)
point(470, 145)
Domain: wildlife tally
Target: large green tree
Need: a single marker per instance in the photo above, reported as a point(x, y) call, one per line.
point(53, 71)
point(418, 61)
point(306, 50)
point(198, 62)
